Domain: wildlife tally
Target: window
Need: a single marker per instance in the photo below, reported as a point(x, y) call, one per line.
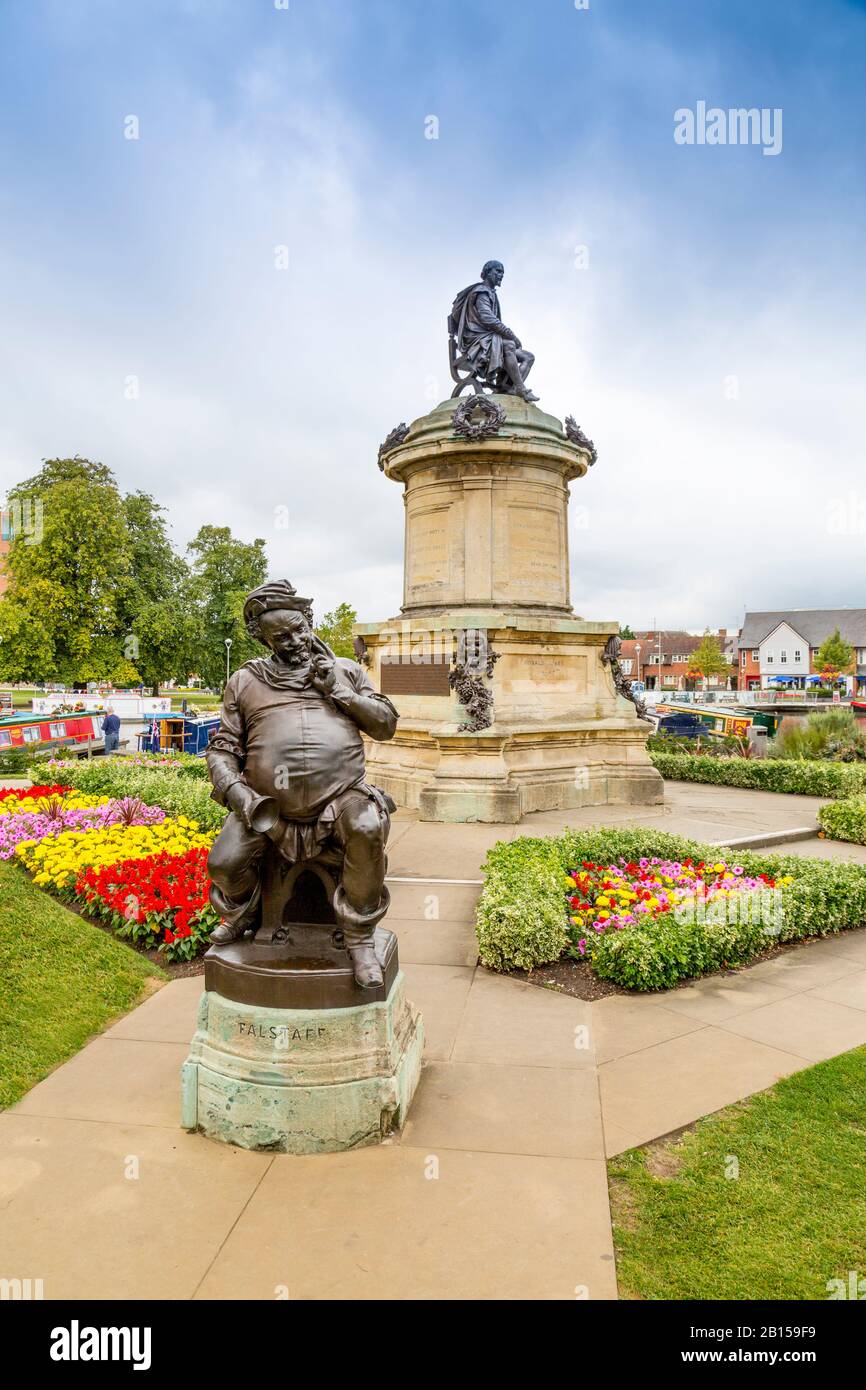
point(5, 738)
point(769, 658)
point(783, 656)
point(756, 656)
point(57, 730)
point(798, 657)
point(743, 660)
point(31, 733)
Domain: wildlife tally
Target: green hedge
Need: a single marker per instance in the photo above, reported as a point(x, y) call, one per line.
point(801, 777)
point(845, 820)
point(177, 792)
point(522, 919)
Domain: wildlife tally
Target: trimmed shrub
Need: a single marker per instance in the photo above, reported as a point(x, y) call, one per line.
point(845, 820)
point(798, 777)
point(520, 922)
point(522, 918)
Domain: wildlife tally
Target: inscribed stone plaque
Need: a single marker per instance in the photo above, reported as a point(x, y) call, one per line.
point(415, 678)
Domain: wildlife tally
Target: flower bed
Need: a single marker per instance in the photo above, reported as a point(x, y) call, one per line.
point(158, 901)
point(10, 796)
point(182, 764)
point(120, 860)
point(68, 814)
point(604, 898)
point(698, 917)
point(796, 776)
point(178, 789)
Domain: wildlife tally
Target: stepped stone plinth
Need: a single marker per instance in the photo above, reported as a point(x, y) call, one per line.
point(507, 700)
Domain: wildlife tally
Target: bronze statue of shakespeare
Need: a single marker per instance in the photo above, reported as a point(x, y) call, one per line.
point(481, 346)
point(288, 762)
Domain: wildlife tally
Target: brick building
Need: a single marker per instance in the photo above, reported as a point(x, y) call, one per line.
point(662, 659)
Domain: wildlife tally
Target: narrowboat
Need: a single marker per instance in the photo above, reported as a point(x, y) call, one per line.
point(77, 728)
point(721, 720)
point(178, 733)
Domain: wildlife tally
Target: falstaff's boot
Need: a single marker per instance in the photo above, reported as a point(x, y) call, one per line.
point(358, 929)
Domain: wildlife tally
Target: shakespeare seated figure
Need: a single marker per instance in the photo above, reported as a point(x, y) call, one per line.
point(288, 762)
point(481, 345)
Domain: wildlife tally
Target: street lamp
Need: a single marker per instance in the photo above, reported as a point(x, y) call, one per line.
point(228, 642)
point(637, 661)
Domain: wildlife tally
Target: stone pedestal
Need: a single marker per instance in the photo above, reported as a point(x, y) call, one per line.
point(487, 552)
point(265, 1072)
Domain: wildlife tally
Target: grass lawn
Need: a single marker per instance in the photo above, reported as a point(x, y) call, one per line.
point(793, 1219)
point(61, 981)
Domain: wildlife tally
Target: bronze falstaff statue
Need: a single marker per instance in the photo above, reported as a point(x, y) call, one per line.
point(288, 762)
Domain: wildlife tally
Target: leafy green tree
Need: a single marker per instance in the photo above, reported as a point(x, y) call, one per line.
point(336, 629)
point(223, 571)
point(157, 609)
point(708, 658)
point(835, 654)
point(68, 567)
point(626, 633)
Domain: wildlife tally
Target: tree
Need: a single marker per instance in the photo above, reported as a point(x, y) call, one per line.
point(708, 659)
point(68, 566)
point(336, 630)
point(156, 606)
point(223, 571)
point(626, 633)
point(835, 654)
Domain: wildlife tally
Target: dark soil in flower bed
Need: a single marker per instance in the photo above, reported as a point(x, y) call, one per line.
point(576, 978)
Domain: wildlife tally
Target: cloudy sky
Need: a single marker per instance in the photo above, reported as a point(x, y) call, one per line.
point(699, 308)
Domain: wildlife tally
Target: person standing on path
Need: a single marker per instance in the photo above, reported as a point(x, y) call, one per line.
point(111, 729)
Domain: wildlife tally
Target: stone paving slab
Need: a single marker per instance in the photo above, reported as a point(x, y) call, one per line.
point(662, 1088)
point(402, 1222)
point(472, 1105)
point(850, 989)
point(434, 943)
point(506, 1022)
point(693, 809)
point(116, 1081)
point(631, 1023)
point(806, 1025)
point(72, 1217)
point(817, 848)
point(440, 992)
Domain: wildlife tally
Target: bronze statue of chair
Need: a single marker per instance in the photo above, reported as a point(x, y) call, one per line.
point(299, 893)
point(458, 364)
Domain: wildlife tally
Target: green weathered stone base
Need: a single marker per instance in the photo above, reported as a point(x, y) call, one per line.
point(302, 1081)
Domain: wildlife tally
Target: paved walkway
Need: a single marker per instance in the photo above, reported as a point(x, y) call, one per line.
point(497, 1186)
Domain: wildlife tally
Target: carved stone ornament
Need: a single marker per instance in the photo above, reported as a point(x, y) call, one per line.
point(397, 435)
point(478, 417)
point(474, 657)
point(610, 657)
point(577, 436)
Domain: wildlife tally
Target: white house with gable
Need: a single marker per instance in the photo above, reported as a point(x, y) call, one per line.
point(784, 652)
